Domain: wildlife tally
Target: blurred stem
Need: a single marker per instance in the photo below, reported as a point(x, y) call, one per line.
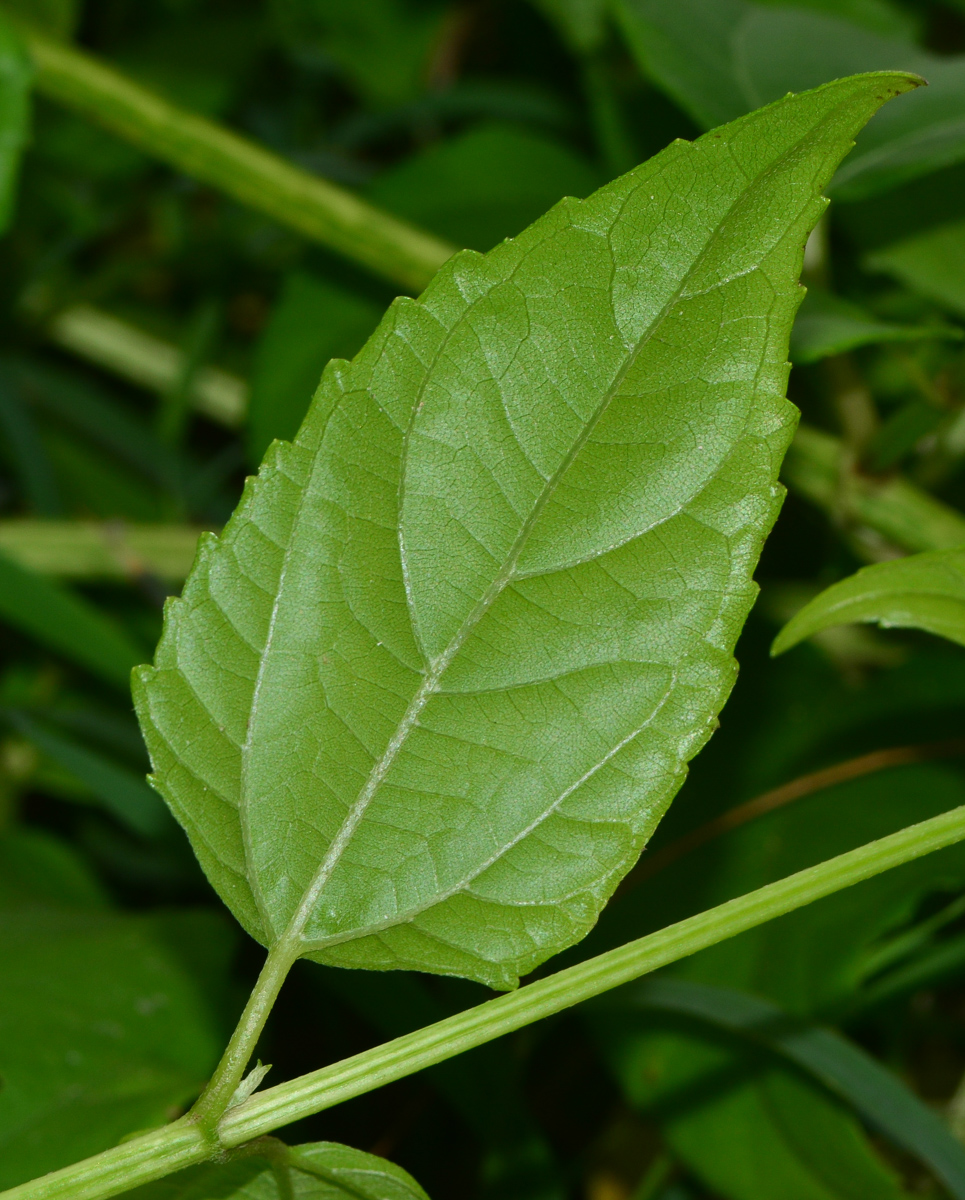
point(889, 508)
point(612, 136)
point(853, 403)
point(185, 1143)
point(207, 151)
point(100, 549)
point(147, 361)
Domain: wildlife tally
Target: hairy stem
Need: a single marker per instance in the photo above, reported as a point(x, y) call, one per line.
point(185, 1143)
point(215, 155)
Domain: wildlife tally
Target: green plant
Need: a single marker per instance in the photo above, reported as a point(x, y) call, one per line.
point(426, 697)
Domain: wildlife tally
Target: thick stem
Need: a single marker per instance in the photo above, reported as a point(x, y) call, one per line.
point(216, 1097)
point(207, 151)
point(184, 1143)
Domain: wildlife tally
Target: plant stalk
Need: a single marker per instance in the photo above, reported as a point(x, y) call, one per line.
point(207, 151)
point(185, 1143)
point(216, 1097)
point(891, 506)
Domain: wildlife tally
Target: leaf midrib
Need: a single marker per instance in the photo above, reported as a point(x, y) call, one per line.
point(295, 929)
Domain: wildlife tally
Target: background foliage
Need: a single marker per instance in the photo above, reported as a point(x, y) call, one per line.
point(120, 973)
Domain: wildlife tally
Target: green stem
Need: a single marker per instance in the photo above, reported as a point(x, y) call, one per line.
point(890, 506)
point(207, 151)
point(216, 1097)
point(185, 1143)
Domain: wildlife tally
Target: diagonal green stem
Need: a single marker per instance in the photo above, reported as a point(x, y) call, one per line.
point(207, 151)
point(185, 1143)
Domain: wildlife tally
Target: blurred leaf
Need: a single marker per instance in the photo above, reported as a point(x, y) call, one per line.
point(827, 324)
point(26, 453)
point(57, 17)
point(721, 58)
point(102, 1032)
point(314, 320)
point(382, 46)
point(119, 791)
point(38, 869)
point(197, 59)
point(581, 23)
point(95, 484)
point(66, 623)
point(16, 75)
point(841, 1066)
point(923, 591)
point(901, 432)
point(931, 262)
point(748, 1125)
point(407, 625)
point(86, 409)
point(316, 1171)
point(484, 185)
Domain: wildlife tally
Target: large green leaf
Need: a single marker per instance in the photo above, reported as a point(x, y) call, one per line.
point(923, 591)
point(317, 1171)
point(427, 697)
point(720, 58)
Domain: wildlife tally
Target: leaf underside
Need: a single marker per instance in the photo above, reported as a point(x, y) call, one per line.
point(424, 701)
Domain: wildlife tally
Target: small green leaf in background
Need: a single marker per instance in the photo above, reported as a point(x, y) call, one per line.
point(103, 1028)
point(581, 23)
point(316, 1171)
point(746, 1123)
point(846, 1070)
point(720, 58)
point(923, 591)
point(66, 623)
point(383, 47)
point(313, 321)
point(16, 76)
point(485, 185)
point(57, 17)
point(931, 262)
point(115, 788)
point(481, 613)
point(827, 324)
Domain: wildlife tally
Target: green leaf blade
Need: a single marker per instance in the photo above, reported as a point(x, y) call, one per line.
point(425, 701)
point(923, 591)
